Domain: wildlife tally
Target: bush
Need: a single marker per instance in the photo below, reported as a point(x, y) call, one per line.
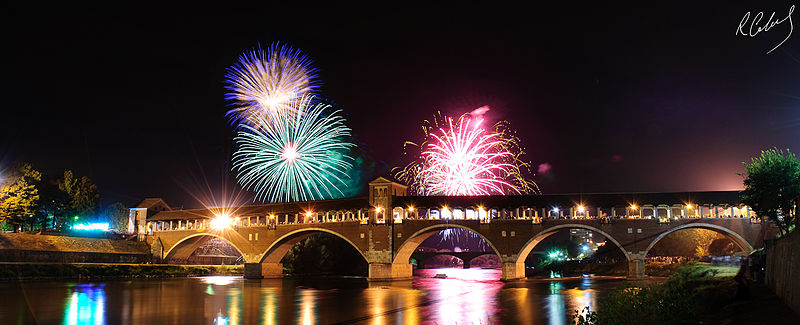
point(693, 288)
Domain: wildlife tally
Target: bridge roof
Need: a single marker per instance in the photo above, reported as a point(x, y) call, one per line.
point(569, 200)
point(266, 209)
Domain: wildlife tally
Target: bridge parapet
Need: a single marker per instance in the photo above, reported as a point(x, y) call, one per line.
point(387, 247)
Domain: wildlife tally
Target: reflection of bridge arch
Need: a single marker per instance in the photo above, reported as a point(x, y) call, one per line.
point(536, 239)
point(730, 234)
point(275, 252)
point(186, 246)
point(408, 247)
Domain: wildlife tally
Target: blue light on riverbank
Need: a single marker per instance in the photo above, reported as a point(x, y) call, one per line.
point(98, 226)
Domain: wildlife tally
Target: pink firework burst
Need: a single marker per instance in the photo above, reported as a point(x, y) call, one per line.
point(465, 159)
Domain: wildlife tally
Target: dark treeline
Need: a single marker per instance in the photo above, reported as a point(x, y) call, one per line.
point(32, 200)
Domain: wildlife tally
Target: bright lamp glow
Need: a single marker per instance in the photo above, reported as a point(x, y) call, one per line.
point(581, 208)
point(101, 226)
point(221, 222)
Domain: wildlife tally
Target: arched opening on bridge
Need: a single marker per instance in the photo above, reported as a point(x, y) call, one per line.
point(204, 249)
point(572, 249)
point(313, 251)
point(453, 240)
point(701, 242)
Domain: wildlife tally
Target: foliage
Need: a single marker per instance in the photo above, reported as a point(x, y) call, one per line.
point(28, 198)
point(772, 185)
point(117, 215)
point(701, 251)
point(54, 202)
point(690, 291)
point(686, 242)
point(19, 197)
point(83, 196)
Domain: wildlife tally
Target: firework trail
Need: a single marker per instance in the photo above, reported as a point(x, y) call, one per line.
point(299, 159)
point(462, 158)
point(263, 84)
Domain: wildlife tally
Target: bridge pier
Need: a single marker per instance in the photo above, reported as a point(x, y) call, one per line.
point(263, 270)
point(390, 271)
point(636, 267)
point(513, 271)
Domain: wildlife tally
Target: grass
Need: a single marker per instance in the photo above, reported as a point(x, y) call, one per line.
point(694, 289)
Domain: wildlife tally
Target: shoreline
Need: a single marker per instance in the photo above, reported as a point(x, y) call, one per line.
point(23, 271)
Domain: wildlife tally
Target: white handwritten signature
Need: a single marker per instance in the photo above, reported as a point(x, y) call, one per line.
point(756, 26)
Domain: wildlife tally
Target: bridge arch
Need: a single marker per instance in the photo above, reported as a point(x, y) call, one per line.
point(730, 234)
point(408, 247)
point(187, 245)
point(275, 252)
point(536, 239)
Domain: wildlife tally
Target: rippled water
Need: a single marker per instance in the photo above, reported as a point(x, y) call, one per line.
point(472, 296)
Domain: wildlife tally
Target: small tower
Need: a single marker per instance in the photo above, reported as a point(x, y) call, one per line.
point(137, 221)
point(381, 191)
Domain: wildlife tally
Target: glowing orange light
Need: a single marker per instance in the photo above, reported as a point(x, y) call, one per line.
point(221, 222)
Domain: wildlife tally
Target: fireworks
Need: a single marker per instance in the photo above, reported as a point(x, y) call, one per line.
point(462, 158)
point(297, 159)
point(263, 84)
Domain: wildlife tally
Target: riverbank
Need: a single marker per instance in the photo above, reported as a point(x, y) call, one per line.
point(53, 271)
point(696, 293)
point(656, 269)
point(37, 248)
point(763, 307)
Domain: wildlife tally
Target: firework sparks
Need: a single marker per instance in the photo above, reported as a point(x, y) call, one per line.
point(263, 84)
point(463, 237)
point(462, 158)
point(299, 159)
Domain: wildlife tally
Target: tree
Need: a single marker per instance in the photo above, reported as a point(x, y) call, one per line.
point(85, 197)
point(772, 185)
point(82, 192)
point(54, 201)
point(19, 197)
point(117, 215)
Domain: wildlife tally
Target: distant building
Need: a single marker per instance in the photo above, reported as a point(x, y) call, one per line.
point(581, 236)
point(137, 219)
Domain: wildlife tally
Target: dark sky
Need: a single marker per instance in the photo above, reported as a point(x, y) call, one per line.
point(613, 97)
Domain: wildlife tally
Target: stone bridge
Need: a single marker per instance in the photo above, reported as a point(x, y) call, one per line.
point(388, 247)
point(387, 227)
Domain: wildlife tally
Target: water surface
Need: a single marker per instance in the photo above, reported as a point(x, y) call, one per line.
point(472, 296)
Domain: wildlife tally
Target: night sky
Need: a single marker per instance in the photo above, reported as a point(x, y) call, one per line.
point(613, 98)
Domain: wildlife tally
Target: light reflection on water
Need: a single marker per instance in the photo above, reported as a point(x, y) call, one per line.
point(86, 305)
point(473, 296)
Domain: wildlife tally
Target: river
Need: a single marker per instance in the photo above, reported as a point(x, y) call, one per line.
point(472, 296)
